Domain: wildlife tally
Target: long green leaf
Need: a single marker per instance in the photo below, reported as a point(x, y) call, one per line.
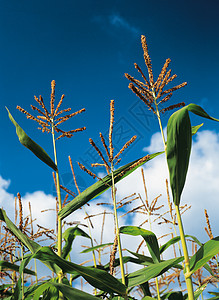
point(96, 247)
point(149, 237)
point(179, 138)
point(176, 239)
point(197, 292)
point(179, 141)
point(145, 274)
point(196, 128)
point(71, 292)
point(197, 110)
point(31, 245)
point(173, 296)
point(204, 254)
point(5, 265)
point(97, 278)
point(69, 236)
point(101, 186)
point(26, 141)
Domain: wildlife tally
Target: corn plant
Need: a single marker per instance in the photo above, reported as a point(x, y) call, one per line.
point(107, 283)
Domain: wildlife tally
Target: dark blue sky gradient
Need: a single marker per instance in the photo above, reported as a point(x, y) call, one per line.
point(87, 47)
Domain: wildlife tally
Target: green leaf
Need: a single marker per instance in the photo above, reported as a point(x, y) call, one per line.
point(197, 292)
point(148, 236)
point(69, 236)
point(71, 292)
point(197, 110)
point(175, 240)
point(26, 141)
point(97, 278)
point(173, 296)
point(148, 298)
point(30, 244)
point(96, 247)
point(5, 265)
point(145, 274)
point(204, 254)
point(179, 141)
point(196, 128)
point(101, 186)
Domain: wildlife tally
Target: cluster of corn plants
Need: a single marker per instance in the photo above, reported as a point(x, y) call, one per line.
point(107, 283)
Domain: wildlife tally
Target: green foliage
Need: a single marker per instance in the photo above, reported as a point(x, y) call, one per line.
point(26, 141)
point(101, 186)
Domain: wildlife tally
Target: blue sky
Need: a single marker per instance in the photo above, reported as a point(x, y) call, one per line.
point(87, 47)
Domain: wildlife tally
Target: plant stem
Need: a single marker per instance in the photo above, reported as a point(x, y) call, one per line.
point(59, 234)
point(22, 274)
point(182, 234)
point(117, 227)
point(186, 256)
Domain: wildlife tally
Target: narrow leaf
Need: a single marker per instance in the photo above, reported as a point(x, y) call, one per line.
point(176, 239)
point(69, 236)
point(204, 254)
point(145, 274)
point(179, 141)
point(5, 265)
point(97, 278)
point(101, 186)
point(26, 141)
point(96, 247)
point(71, 292)
point(196, 128)
point(197, 110)
point(148, 236)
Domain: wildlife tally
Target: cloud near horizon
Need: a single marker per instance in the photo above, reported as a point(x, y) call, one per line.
point(201, 192)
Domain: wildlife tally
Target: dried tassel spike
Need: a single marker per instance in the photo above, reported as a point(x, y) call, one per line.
point(174, 88)
point(135, 91)
point(39, 111)
point(113, 256)
point(208, 224)
point(142, 74)
point(88, 171)
point(20, 226)
point(127, 144)
point(142, 242)
point(165, 99)
point(147, 59)
point(53, 84)
point(16, 212)
point(140, 84)
point(160, 90)
point(43, 105)
point(61, 112)
point(67, 191)
point(29, 116)
point(104, 145)
point(145, 189)
point(65, 200)
point(65, 118)
point(139, 162)
point(100, 154)
point(162, 73)
point(112, 109)
point(58, 105)
point(73, 173)
point(181, 104)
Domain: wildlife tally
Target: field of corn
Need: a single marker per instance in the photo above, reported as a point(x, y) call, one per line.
point(192, 267)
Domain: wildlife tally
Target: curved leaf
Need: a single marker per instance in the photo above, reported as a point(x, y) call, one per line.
point(148, 236)
point(177, 239)
point(179, 141)
point(101, 186)
point(97, 278)
point(5, 265)
point(26, 141)
point(204, 254)
point(197, 110)
point(145, 274)
point(196, 128)
point(69, 236)
point(96, 247)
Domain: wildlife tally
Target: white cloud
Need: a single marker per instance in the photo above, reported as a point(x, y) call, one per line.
point(201, 191)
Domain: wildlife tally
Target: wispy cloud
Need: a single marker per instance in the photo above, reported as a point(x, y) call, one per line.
point(118, 21)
